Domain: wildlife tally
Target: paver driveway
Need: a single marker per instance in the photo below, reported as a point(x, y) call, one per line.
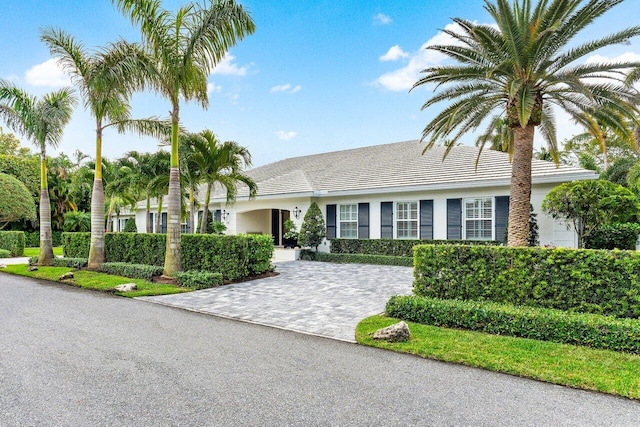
point(318, 298)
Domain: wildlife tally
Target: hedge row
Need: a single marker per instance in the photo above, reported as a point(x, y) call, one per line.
point(199, 279)
point(585, 280)
point(135, 271)
point(357, 258)
point(69, 262)
point(602, 332)
point(4, 253)
point(32, 238)
point(12, 241)
point(394, 247)
point(235, 257)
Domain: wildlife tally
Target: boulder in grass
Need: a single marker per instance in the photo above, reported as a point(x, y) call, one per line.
point(127, 287)
point(32, 268)
point(398, 332)
point(66, 276)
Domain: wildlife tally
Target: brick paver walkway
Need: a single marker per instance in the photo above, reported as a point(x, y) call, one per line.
point(318, 298)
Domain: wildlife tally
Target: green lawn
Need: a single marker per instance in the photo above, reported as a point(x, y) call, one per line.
point(96, 281)
point(580, 367)
point(57, 251)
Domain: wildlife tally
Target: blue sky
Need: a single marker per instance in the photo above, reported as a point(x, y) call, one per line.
point(316, 76)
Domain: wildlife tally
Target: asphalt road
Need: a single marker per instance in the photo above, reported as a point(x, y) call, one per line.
point(70, 357)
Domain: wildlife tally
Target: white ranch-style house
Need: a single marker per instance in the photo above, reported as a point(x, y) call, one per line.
point(391, 191)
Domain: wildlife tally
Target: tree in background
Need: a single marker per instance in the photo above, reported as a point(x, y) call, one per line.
point(16, 202)
point(521, 69)
point(186, 46)
point(130, 226)
point(313, 228)
point(588, 204)
point(41, 120)
point(77, 221)
point(10, 145)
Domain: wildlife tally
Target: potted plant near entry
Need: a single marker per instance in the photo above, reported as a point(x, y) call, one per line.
point(290, 237)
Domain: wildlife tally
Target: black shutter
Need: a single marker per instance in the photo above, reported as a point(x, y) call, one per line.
point(163, 223)
point(363, 220)
point(502, 214)
point(426, 219)
point(331, 222)
point(386, 220)
point(454, 219)
point(217, 215)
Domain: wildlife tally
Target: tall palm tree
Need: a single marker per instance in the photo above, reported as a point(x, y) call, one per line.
point(190, 174)
point(186, 46)
point(522, 69)
point(42, 120)
point(106, 79)
point(221, 163)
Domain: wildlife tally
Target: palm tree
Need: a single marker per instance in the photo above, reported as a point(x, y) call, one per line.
point(221, 163)
point(186, 47)
point(41, 120)
point(106, 79)
point(522, 69)
point(190, 174)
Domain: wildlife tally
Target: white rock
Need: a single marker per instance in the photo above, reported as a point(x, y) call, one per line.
point(127, 287)
point(394, 333)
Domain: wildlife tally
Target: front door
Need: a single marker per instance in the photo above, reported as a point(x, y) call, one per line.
point(275, 226)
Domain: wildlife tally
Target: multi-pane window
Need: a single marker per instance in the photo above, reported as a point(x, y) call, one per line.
point(407, 220)
point(478, 216)
point(348, 219)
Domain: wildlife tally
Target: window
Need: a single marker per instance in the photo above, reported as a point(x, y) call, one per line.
point(407, 220)
point(348, 219)
point(478, 219)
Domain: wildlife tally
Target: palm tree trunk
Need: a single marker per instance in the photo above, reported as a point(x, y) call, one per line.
point(192, 213)
point(148, 212)
point(159, 215)
point(520, 196)
point(205, 213)
point(96, 250)
point(46, 244)
point(173, 256)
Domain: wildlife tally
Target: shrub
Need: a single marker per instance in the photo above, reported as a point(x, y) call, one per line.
point(394, 247)
point(135, 248)
point(361, 259)
point(584, 280)
point(614, 236)
point(313, 228)
point(76, 245)
point(77, 221)
point(198, 279)
point(130, 226)
point(16, 203)
point(32, 238)
point(259, 252)
point(33, 260)
point(70, 262)
point(12, 241)
point(596, 331)
point(135, 271)
point(4, 253)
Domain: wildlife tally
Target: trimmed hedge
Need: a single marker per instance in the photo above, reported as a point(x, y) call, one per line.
point(394, 247)
point(614, 236)
point(582, 280)
point(199, 279)
point(4, 253)
point(12, 241)
point(69, 262)
point(32, 238)
point(357, 258)
point(134, 271)
point(235, 257)
point(591, 330)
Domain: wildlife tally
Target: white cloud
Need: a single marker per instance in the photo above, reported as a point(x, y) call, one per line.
point(393, 54)
point(227, 67)
point(286, 136)
point(382, 19)
point(49, 73)
point(286, 88)
point(405, 77)
point(211, 88)
point(600, 59)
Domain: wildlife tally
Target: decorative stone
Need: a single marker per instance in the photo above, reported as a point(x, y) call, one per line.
point(32, 268)
point(66, 276)
point(3, 265)
point(127, 287)
point(397, 332)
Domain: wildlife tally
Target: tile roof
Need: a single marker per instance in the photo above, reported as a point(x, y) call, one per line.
point(398, 166)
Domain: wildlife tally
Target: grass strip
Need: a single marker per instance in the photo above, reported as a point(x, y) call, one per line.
point(96, 281)
point(574, 366)
point(29, 252)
